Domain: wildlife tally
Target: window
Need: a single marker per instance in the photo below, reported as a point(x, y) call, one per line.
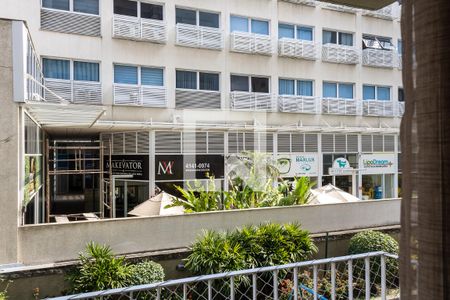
point(66, 70)
point(400, 47)
point(146, 10)
point(335, 37)
point(138, 75)
point(193, 80)
point(244, 24)
point(193, 17)
point(337, 90)
point(377, 42)
point(401, 95)
point(295, 87)
point(250, 84)
point(371, 92)
point(295, 32)
point(83, 6)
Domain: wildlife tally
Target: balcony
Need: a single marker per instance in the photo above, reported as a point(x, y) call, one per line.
point(386, 13)
point(340, 8)
point(199, 36)
point(401, 109)
point(303, 2)
point(197, 99)
point(251, 43)
point(134, 95)
point(340, 54)
point(338, 106)
point(378, 108)
point(251, 101)
point(399, 61)
point(298, 104)
point(378, 58)
point(78, 92)
point(132, 28)
point(297, 49)
point(70, 22)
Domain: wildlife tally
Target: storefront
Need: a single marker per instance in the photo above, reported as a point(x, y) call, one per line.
point(378, 171)
point(294, 165)
point(346, 181)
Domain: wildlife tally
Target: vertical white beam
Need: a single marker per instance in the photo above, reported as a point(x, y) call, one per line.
point(19, 50)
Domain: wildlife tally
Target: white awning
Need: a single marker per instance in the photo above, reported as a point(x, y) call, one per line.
point(63, 114)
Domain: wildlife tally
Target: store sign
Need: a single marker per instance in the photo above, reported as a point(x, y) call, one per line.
point(129, 165)
point(187, 167)
point(295, 165)
point(341, 166)
point(378, 163)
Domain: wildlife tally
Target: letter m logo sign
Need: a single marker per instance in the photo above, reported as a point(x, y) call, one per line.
point(165, 167)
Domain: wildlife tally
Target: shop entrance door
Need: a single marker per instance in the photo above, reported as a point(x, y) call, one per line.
point(129, 194)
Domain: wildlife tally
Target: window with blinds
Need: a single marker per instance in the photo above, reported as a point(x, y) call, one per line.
point(339, 143)
point(377, 143)
point(127, 142)
point(250, 141)
point(297, 142)
point(189, 142)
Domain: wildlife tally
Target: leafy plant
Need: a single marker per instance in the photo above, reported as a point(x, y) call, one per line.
point(4, 290)
point(300, 194)
point(146, 272)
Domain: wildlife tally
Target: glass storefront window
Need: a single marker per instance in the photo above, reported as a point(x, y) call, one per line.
point(378, 186)
point(129, 194)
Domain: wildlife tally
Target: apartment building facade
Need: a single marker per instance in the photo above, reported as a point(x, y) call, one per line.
point(173, 89)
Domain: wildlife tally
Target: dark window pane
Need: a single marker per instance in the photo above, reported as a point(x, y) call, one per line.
point(86, 71)
point(151, 11)
point(209, 19)
point(345, 39)
point(401, 95)
point(56, 68)
point(125, 74)
point(328, 37)
point(370, 42)
point(286, 31)
point(209, 82)
point(239, 83)
point(152, 76)
point(286, 87)
point(86, 6)
point(305, 33)
point(186, 80)
point(260, 85)
point(125, 7)
point(186, 16)
point(56, 4)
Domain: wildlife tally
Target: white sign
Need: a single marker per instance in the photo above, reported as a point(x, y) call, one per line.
point(295, 165)
point(378, 163)
point(341, 166)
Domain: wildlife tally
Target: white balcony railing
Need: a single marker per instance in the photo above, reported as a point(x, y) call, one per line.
point(379, 108)
point(251, 43)
point(340, 8)
point(134, 95)
point(379, 58)
point(386, 13)
point(86, 92)
point(338, 106)
point(251, 101)
point(197, 99)
point(340, 54)
point(400, 61)
point(298, 104)
point(133, 28)
point(199, 36)
point(401, 109)
point(297, 48)
point(304, 2)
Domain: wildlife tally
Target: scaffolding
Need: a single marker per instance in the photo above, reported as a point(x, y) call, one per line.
point(80, 158)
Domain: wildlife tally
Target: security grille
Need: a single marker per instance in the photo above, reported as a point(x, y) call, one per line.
point(297, 142)
point(250, 141)
point(167, 142)
point(377, 143)
point(127, 142)
point(339, 143)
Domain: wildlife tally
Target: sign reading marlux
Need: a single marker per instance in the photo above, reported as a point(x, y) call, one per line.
point(294, 165)
point(378, 163)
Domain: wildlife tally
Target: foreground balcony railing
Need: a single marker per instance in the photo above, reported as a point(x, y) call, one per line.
point(371, 275)
point(199, 36)
point(134, 95)
point(338, 106)
point(297, 48)
point(133, 28)
point(298, 104)
point(340, 54)
point(86, 92)
point(198, 99)
point(251, 43)
point(379, 58)
point(251, 101)
point(379, 108)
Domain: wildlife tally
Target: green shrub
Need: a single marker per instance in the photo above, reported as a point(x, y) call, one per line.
point(4, 289)
point(146, 272)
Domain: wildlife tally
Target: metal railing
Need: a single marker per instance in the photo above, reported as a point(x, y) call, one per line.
point(297, 48)
point(379, 58)
point(251, 101)
point(304, 2)
point(134, 28)
point(367, 276)
point(339, 106)
point(252, 43)
point(86, 92)
point(379, 108)
point(341, 8)
point(135, 95)
point(199, 36)
point(299, 104)
point(340, 54)
point(197, 99)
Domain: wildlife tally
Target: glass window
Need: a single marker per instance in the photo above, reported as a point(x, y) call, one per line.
point(56, 68)
point(238, 24)
point(304, 88)
point(383, 93)
point(346, 90)
point(386, 43)
point(260, 85)
point(370, 42)
point(152, 76)
point(260, 27)
point(125, 74)
point(186, 16)
point(151, 11)
point(329, 90)
point(305, 33)
point(209, 19)
point(56, 4)
point(286, 87)
point(186, 80)
point(209, 81)
point(329, 37)
point(400, 47)
point(86, 71)
point(286, 31)
point(345, 39)
point(86, 6)
point(401, 95)
point(368, 92)
point(125, 7)
point(239, 83)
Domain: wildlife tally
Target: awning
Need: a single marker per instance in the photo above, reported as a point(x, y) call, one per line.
point(64, 114)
